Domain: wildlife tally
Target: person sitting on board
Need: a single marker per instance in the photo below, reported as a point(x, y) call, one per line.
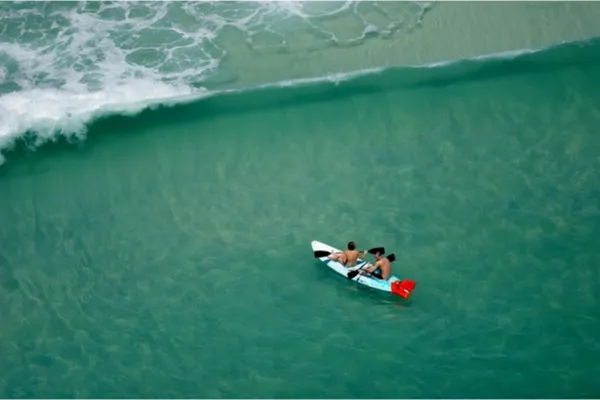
point(348, 257)
point(384, 264)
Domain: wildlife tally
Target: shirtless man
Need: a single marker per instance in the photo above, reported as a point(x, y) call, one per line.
point(348, 257)
point(382, 263)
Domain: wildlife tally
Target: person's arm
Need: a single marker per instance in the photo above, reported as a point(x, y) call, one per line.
point(373, 267)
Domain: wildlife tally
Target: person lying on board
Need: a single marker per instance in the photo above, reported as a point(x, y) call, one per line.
point(384, 264)
point(348, 257)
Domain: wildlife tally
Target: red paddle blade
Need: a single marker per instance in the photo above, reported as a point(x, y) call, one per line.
point(403, 288)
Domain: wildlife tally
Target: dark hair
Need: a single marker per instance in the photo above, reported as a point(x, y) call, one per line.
point(351, 245)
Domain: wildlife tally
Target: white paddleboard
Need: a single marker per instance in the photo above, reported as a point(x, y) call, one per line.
point(392, 285)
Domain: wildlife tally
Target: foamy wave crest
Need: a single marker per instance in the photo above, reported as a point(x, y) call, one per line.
point(54, 110)
point(64, 63)
point(46, 112)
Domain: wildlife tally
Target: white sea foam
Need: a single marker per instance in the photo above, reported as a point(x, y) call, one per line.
point(62, 64)
point(48, 111)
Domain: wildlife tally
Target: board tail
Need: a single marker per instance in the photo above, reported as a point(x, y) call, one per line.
point(403, 288)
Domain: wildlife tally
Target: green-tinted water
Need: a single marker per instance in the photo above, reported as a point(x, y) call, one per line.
point(169, 254)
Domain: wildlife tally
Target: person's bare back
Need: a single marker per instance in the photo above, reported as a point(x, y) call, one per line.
point(351, 257)
point(348, 257)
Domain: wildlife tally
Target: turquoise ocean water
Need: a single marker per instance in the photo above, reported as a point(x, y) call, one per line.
point(166, 166)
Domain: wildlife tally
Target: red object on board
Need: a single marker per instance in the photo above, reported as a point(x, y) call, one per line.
point(403, 288)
